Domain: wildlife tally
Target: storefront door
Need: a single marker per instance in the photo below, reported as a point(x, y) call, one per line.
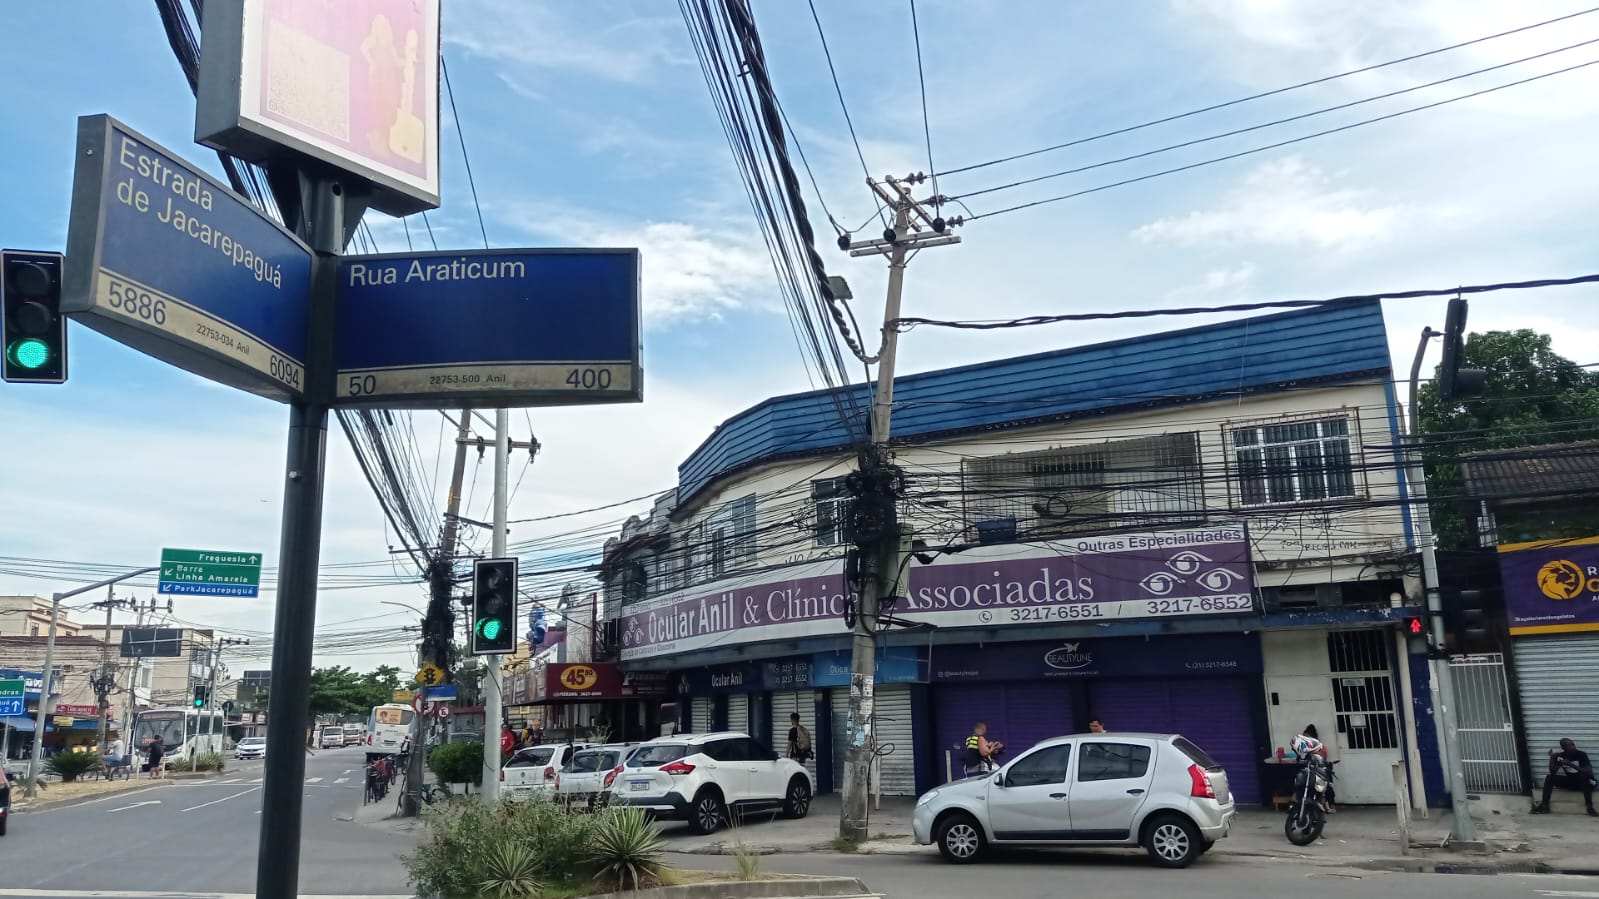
point(1017, 714)
point(1214, 712)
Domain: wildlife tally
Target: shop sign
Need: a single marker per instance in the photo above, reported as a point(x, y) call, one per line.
point(32, 681)
point(79, 711)
point(787, 674)
point(741, 677)
point(1173, 655)
point(1551, 587)
point(1198, 571)
point(895, 665)
point(598, 680)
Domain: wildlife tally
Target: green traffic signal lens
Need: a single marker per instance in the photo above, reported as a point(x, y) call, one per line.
point(29, 352)
point(489, 628)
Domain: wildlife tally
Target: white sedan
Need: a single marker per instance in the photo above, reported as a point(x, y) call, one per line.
point(250, 748)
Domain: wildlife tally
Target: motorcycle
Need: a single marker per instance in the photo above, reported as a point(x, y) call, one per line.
point(1307, 812)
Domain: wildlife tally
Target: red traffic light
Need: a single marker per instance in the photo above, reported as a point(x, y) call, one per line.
point(1415, 626)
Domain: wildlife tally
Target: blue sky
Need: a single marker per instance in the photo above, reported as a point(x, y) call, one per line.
point(589, 124)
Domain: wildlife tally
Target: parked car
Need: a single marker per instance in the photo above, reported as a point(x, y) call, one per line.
point(590, 773)
point(250, 748)
point(699, 778)
point(466, 736)
point(332, 737)
point(1158, 791)
point(532, 770)
point(5, 799)
point(353, 734)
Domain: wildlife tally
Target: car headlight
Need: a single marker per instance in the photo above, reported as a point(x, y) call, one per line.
point(927, 797)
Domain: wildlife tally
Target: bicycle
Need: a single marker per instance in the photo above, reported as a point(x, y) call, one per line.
point(375, 787)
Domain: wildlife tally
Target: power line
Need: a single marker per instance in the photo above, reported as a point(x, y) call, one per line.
point(1284, 143)
point(911, 322)
point(461, 136)
point(839, 91)
point(927, 130)
point(1261, 127)
point(1271, 93)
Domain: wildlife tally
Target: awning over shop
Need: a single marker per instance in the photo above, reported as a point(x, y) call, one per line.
point(18, 723)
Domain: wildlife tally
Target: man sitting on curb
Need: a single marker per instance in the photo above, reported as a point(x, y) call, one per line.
point(1569, 769)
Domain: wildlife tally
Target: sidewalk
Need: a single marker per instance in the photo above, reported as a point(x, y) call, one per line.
point(1566, 840)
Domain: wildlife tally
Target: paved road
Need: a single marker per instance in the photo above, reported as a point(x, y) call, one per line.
point(203, 835)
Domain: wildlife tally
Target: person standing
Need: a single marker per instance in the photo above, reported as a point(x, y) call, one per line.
point(1096, 726)
point(157, 749)
point(1569, 769)
point(799, 740)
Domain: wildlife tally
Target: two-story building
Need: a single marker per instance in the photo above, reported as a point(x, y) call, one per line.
point(1200, 531)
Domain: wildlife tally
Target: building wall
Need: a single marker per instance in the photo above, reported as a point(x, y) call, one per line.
point(1308, 543)
point(29, 616)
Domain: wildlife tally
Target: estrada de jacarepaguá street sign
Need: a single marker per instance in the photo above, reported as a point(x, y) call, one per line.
point(204, 572)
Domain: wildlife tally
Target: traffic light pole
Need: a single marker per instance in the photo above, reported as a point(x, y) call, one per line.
point(493, 709)
point(1464, 828)
point(49, 668)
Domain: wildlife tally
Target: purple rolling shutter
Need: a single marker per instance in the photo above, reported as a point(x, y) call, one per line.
point(1212, 712)
point(1019, 715)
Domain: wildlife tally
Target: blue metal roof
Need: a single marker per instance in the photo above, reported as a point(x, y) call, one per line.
point(1324, 343)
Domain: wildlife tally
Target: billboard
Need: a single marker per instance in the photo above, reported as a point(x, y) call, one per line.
point(352, 83)
point(1551, 587)
point(1083, 580)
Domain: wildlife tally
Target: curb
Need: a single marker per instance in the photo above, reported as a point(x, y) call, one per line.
point(45, 805)
point(750, 889)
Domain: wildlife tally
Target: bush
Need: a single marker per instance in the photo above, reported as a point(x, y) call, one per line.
point(626, 848)
point(468, 840)
point(208, 761)
point(512, 872)
point(181, 763)
point(455, 763)
point(69, 766)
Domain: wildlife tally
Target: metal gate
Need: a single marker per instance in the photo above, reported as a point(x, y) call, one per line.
point(1487, 730)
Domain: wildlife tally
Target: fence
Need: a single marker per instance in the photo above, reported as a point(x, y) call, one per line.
point(1487, 729)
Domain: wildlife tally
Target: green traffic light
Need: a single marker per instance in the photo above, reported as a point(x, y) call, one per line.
point(29, 353)
point(489, 628)
point(198, 702)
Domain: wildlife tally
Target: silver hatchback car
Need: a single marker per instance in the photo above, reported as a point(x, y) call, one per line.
point(1158, 791)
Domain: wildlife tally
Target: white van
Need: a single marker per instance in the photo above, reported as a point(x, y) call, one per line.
point(388, 730)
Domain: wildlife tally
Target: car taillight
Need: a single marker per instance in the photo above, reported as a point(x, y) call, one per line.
point(677, 768)
point(610, 776)
point(557, 781)
point(1200, 787)
point(549, 773)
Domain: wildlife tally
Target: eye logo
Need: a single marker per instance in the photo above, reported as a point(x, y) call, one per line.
point(1187, 561)
point(1217, 579)
point(1160, 583)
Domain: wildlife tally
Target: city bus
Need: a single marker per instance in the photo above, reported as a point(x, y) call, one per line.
point(388, 730)
point(184, 731)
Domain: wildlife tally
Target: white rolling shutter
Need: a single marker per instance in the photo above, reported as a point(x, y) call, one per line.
point(786, 703)
point(701, 714)
point(896, 772)
point(1556, 674)
point(738, 712)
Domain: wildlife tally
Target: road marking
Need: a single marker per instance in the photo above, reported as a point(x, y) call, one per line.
point(340, 780)
point(173, 894)
point(257, 780)
point(1574, 894)
point(313, 780)
point(236, 780)
point(135, 805)
point(349, 770)
point(223, 799)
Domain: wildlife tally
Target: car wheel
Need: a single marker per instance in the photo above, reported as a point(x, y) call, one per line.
point(797, 804)
point(707, 814)
point(961, 840)
point(1173, 842)
point(2, 827)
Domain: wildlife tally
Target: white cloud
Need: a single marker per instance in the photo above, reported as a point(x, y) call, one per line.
point(690, 271)
point(539, 35)
point(1227, 278)
point(1284, 202)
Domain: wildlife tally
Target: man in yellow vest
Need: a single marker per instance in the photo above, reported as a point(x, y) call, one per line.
point(980, 751)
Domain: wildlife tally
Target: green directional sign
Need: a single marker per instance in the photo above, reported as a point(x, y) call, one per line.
point(208, 572)
point(11, 696)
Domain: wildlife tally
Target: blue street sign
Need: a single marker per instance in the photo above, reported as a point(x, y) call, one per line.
point(440, 693)
point(492, 327)
point(168, 260)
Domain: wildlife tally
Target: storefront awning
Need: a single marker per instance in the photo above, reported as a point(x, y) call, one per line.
point(18, 723)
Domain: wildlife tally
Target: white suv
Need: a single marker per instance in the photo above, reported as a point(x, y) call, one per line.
point(702, 778)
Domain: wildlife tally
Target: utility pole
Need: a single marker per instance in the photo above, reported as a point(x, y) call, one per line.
point(217, 645)
point(105, 681)
point(875, 519)
point(1464, 829)
point(493, 710)
point(438, 627)
point(49, 669)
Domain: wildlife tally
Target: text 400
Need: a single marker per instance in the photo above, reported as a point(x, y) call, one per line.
point(589, 378)
point(137, 303)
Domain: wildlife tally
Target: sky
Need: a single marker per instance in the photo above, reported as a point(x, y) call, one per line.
point(590, 125)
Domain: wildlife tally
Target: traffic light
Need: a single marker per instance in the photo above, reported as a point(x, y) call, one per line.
point(1454, 382)
point(201, 694)
point(35, 332)
point(1416, 626)
point(1473, 618)
point(493, 606)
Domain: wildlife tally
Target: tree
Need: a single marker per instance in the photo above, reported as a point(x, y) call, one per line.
point(1533, 396)
point(337, 690)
